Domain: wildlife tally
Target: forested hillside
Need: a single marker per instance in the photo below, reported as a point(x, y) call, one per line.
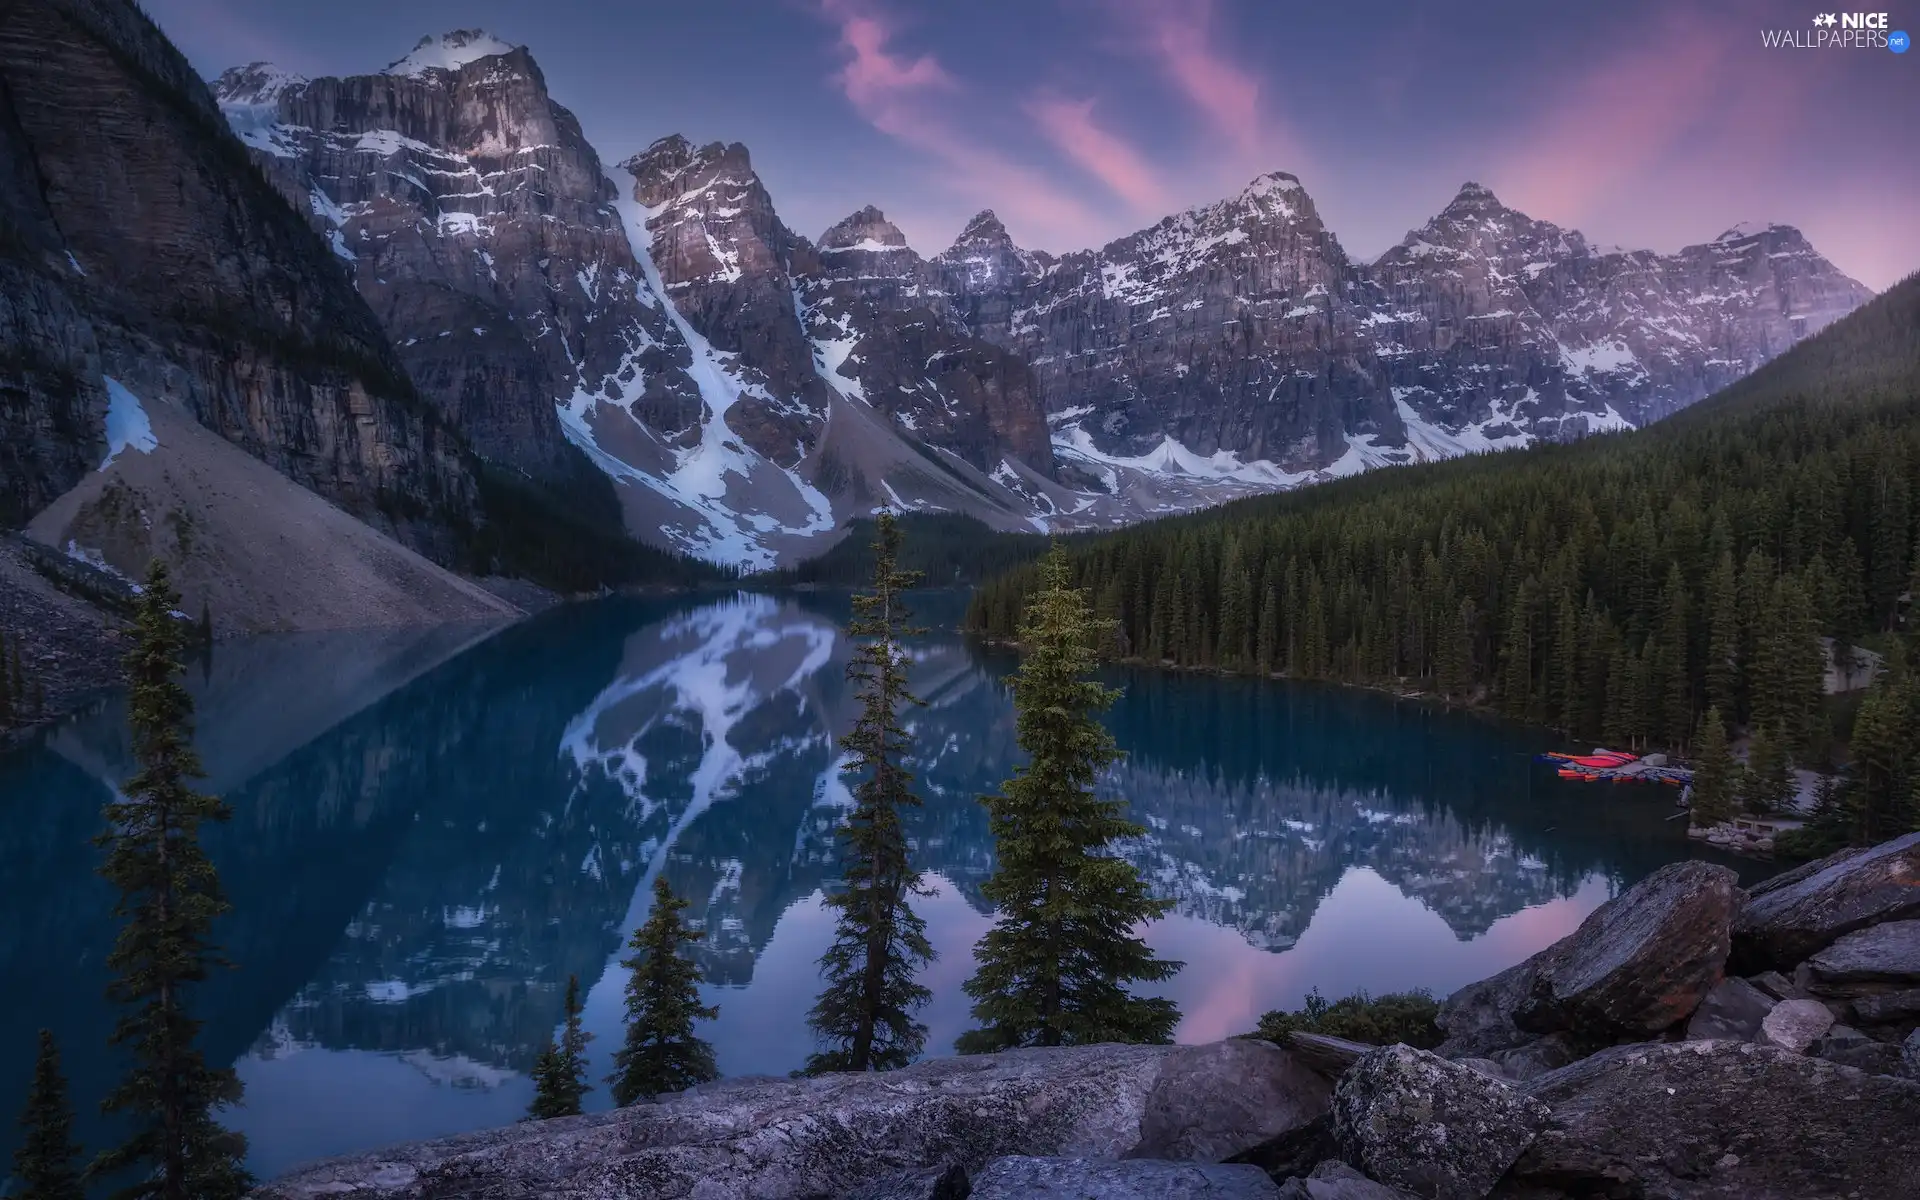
point(1619, 587)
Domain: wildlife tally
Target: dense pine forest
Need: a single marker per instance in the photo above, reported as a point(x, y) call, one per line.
point(1618, 588)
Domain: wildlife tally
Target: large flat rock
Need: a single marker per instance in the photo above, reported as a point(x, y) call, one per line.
point(1732, 1010)
point(1796, 915)
point(773, 1139)
point(1136, 1179)
point(1719, 1120)
point(1888, 953)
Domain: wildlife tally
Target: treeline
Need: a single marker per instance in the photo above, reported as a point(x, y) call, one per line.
point(21, 699)
point(1618, 588)
point(947, 549)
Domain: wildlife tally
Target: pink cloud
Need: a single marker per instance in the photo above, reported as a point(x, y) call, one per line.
point(1177, 34)
point(909, 99)
point(1616, 121)
point(1070, 126)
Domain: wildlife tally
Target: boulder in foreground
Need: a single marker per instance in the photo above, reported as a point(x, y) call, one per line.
point(1135, 1179)
point(1639, 964)
point(837, 1134)
point(1717, 1120)
point(1411, 1119)
point(1796, 915)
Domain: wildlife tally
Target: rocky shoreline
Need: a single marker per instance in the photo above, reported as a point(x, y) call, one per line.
point(1690, 1041)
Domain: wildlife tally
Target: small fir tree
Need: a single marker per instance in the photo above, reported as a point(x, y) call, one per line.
point(661, 1053)
point(560, 1075)
point(1054, 968)
point(1768, 785)
point(44, 1163)
point(1715, 774)
point(169, 898)
point(864, 1017)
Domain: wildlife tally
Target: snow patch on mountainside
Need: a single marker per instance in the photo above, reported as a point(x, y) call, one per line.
point(448, 52)
point(127, 425)
point(733, 490)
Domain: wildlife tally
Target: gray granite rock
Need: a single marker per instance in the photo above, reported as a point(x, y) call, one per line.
point(1207, 1099)
point(1795, 1025)
point(1796, 916)
point(931, 1183)
point(1850, 1047)
point(1021, 1178)
point(1884, 954)
point(1328, 1055)
point(834, 1134)
point(1910, 1054)
point(1537, 1057)
point(1733, 1009)
point(1887, 1007)
point(1639, 964)
point(1718, 1120)
point(1335, 1180)
point(1411, 1119)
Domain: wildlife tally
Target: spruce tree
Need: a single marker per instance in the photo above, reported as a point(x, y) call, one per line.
point(661, 1053)
point(1768, 785)
point(44, 1163)
point(169, 897)
point(1715, 774)
point(560, 1075)
point(864, 1018)
point(1054, 968)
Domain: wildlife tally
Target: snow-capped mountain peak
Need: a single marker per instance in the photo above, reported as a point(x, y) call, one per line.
point(255, 83)
point(1747, 230)
point(1272, 193)
point(867, 229)
point(449, 52)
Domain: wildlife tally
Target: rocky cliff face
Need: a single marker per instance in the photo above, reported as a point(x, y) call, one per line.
point(143, 246)
point(1240, 336)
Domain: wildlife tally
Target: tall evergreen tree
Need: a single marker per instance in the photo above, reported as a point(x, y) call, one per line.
point(1715, 774)
point(864, 1018)
point(560, 1075)
point(44, 1163)
point(1054, 968)
point(661, 1053)
point(1768, 785)
point(169, 897)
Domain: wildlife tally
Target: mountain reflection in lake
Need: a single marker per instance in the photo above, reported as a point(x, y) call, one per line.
point(434, 829)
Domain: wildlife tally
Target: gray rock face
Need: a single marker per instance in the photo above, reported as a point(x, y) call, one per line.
point(1910, 1054)
point(1790, 919)
point(1190, 1116)
point(1139, 1179)
point(1335, 1180)
point(1851, 1048)
point(1795, 1024)
point(1887, 1007)
point(1331, 1056)
point(768, 1139)
point(1888, 954)
point(1639, 964)
point(174, 268)
point(1412, 1119)
point(1535, 1058)
point(1732, 1010)
point(1721, 1121)
point(933, 1183)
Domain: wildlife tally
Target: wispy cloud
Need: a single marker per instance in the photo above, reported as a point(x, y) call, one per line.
point(1070, 126)
point(1610, 124)
point(911, 98)
point(1177, 35)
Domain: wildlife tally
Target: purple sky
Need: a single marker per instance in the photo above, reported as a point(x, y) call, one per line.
point(1640, 122)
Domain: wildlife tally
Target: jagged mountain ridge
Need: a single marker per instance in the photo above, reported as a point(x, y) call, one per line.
point(749, 389)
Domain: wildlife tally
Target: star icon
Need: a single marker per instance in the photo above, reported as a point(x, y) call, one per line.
point(1826, 19)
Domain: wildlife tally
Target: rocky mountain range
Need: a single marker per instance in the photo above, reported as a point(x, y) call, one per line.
point(749, 389)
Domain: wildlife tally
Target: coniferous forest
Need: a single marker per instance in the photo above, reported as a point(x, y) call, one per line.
point(1618, 588)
